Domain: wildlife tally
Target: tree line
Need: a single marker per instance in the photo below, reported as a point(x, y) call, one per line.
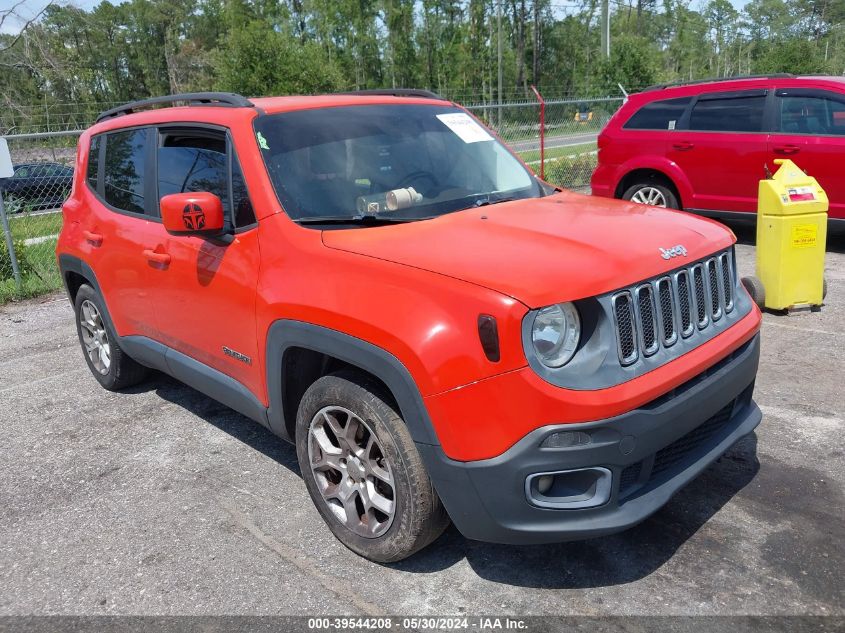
point(140, 48)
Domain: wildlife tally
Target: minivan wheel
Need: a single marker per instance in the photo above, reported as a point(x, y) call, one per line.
point(653, 194)
point(363, 471)
point(109, 364)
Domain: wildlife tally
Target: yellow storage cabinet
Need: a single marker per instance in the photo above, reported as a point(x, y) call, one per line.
point(791, 238)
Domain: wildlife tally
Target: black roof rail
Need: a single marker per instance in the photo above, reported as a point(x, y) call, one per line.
point(398, 92)
point(226, 99)
point(694, 82)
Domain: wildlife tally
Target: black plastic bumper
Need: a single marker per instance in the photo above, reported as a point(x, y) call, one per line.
point(652, 452)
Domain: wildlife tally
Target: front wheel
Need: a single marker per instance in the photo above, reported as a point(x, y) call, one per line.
point(652, 193)
point(363, 471)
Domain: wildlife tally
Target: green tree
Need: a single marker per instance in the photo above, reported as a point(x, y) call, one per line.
point(633, 63)
point(257, 60)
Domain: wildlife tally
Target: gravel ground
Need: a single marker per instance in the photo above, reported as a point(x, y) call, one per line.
point(161, 501)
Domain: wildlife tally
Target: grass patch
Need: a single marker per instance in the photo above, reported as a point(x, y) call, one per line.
point(24, 227)
point(39, 272)
point(571, 173)
point(558, 152)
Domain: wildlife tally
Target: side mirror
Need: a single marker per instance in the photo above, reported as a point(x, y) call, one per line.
point(198, 213)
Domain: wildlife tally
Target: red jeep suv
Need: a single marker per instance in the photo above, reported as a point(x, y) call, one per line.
point(379, 280)
point(704, 146)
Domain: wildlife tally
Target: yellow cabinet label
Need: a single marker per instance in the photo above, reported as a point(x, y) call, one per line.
point(804, 235)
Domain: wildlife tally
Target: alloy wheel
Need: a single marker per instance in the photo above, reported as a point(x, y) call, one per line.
point(351, 471)
point(651, 196)
point(94, 336)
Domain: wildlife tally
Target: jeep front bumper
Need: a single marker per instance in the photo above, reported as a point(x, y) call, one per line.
point(630, 465)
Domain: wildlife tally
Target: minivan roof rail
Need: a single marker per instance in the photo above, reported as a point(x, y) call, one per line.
point(398, 92)
point(225, 99)
point(717, 79)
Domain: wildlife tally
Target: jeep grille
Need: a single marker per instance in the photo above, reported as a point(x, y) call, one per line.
point(655, 313)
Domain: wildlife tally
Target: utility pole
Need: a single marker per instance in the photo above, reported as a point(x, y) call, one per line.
point(605, 28)
point(499, 95)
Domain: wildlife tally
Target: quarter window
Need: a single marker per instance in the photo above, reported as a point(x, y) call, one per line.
point(729, 114)
point(94, 162)
point(658, 115)
point(123, 170)
point(244, 214)
point(811, 115)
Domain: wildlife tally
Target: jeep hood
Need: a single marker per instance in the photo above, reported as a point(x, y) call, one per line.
point(543, 250)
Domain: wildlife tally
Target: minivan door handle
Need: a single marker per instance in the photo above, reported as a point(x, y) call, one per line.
point(683, 146)
point(158, 258)
point(787, 150)
point(95, 238)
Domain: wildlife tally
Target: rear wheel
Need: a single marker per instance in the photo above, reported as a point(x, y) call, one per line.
point(109, 364)
point(363, 471)
point(652, 193)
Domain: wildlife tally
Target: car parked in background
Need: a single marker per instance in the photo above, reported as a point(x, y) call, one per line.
point(704, 146)
point(37, 186)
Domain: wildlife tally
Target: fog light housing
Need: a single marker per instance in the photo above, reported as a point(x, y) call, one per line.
point(569, 489)
point(566, 439)
point(544, 483)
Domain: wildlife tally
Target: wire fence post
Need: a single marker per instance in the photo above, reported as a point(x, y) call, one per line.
point(542, 132)
point(10, 243)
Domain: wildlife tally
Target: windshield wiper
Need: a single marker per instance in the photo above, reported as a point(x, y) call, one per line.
point(483, 202)
point(363, 220)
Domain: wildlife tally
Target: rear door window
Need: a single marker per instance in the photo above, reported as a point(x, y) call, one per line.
point(729, 113)
point(811, 114)
point(123, 170)
point(658, 115)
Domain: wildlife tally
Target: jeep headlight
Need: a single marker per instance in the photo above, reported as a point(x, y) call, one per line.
point(555, 334)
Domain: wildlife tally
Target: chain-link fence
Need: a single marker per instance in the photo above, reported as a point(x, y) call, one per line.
point(570, 129)
point(44, 170)
point(32, 199)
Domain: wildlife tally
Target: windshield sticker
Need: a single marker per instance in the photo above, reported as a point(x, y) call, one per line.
point(262, 142)
point(464, 127)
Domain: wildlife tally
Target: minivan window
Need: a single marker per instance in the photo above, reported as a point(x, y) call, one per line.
point(729, 114)
point(658, 115)
point(123, 170)
point(812, 115)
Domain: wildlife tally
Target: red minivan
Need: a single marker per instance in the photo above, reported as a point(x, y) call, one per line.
point(704, 146)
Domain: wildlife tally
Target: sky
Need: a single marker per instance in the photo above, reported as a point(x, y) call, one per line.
point(30, 8)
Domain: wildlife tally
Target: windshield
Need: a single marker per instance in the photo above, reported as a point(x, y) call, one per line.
point(392, 162)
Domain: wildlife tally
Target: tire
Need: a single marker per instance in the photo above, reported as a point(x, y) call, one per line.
point(756, 289)
point(649, 190)
point(109, 364)
point(403, 513)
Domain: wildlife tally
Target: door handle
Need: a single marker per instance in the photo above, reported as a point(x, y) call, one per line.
point(683, 146)
point(95, 238)
point(787, 150)
point(158, 258)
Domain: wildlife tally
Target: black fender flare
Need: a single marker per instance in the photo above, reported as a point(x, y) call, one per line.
point(285, 334)
point(72, 264)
